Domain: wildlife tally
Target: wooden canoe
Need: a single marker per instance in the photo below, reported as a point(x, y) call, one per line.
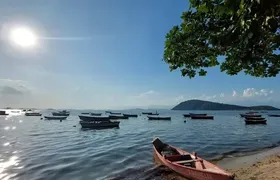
point(188, 165)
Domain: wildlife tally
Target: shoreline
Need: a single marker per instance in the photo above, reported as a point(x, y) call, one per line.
point(256, 165)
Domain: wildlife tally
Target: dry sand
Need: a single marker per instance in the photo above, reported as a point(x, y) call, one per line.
point(268, 169)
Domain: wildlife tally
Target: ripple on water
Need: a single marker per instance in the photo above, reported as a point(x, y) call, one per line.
point(57, 150)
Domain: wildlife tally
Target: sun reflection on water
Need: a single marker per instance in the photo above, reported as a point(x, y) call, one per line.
point(13, 161)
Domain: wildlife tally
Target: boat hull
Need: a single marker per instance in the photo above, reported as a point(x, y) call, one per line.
point(250, 115)
point(130, 115)
point(254, 118)
point(33, 114)
point(202, 117)
point(99, 124)
point(60, 114)
point(94, 118)
point(117, 117)
point(274, 115)
point(159, 118)
point(189, 172)
point(194, 114)
point(186, 115)
point(55, 117)
point(255, 121)
point(96, 114)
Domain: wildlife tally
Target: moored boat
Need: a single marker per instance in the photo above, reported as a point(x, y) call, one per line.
point(186, 115)
point(254, 118)
point(96, 114)
point(85, 113)
point(61, 113)
point(159, 117)
point(274, 115)
point(188, 165)
point(196, 114)
point(250, 115)
point(33, 114)
point(3, 113)
point(99, 124)
point(117, 117)
point(55, 117)
point(255, 121)
point(202, 117)
point(116, 113)
point(130, 115)
point(108, 112)
point(147, 113)
point(94, 118)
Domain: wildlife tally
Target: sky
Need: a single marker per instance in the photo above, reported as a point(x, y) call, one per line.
point(107, 54)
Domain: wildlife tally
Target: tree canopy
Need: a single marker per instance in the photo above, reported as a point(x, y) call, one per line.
point(245, 33)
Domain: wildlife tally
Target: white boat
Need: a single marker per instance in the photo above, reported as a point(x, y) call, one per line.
point(13, 112)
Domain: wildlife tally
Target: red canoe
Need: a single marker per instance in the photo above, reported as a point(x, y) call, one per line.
point(188, 165)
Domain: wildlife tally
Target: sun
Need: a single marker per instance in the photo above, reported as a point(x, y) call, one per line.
point(23, 37)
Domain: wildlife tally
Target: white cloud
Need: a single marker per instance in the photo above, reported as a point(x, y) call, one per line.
point(222, 95)
point(251, 92)
point(145, 94)
point(234, 93)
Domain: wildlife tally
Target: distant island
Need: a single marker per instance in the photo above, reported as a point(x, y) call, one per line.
point(208, 105)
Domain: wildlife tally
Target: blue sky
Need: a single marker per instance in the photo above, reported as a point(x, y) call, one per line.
point(104, 54)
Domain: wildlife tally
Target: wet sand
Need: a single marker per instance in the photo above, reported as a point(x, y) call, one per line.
point(264, 165)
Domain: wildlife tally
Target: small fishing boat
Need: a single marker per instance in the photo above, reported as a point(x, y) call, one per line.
point(99, 124)
point(254, 118)
point(33, 114)
point(3, 113)
point(195, 114)
point(94, 118)
point(159, 117)
point(250, 115)
point(117, 117)
point(116, 113)
point(61, 113)
point(154, 114)
point(96, 114)
point(274, 115)
point(255, 121)
point(188, 165)
point(147, 113)
point(186, 115)
point(55, 117)
point(130, 115)
point(202, 117)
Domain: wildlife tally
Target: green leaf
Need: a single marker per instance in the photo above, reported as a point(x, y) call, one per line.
point(202, 8)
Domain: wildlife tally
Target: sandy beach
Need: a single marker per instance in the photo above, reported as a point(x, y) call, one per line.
point(267, 169)
point(264, 165)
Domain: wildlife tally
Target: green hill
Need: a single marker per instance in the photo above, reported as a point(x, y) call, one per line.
point(207, 105)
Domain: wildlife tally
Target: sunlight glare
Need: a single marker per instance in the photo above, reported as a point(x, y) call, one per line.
point(23, 37)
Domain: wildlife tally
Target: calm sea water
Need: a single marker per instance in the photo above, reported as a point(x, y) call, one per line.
point(31, 148)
